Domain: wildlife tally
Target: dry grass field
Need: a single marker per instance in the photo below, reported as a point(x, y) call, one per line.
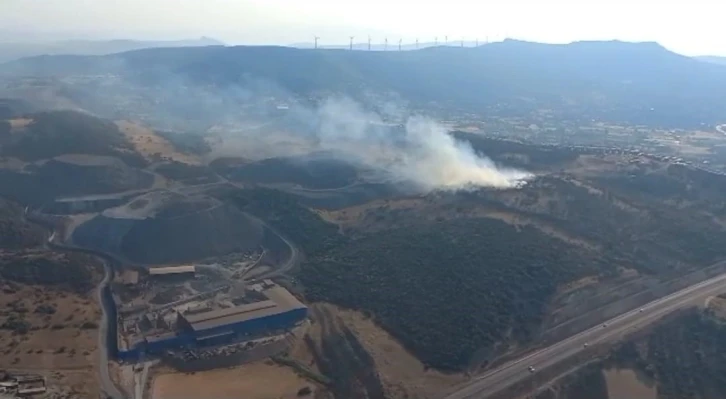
point(253, 381)
point(147, 143)
point(60, 345)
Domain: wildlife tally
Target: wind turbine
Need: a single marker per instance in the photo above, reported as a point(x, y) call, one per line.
point(416, 44)
point(477, 42)
point(436, 41)
point(446, 40)
point(385, 45)
point(351, 42)
point(462, 42)
point(316, 42)
point(369, 43)
point(399, 44)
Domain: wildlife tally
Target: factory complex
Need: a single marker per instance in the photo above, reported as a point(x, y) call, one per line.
point(184, 308)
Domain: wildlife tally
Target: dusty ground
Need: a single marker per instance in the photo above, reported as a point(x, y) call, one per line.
point(352, 216)
point(717, 305)
point(401, 373)
point(12, 163)
point(625, 384)
point(252, 381)
point(19, 123)
point(148, 143)
point(57, 345)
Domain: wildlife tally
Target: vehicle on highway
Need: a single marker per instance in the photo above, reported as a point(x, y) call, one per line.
point(641, 310)
point(585, 345)
point(531, 369)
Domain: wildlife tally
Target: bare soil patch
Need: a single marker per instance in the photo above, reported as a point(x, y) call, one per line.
point(253, 381)
point(717, 305)
point(19, 123)
point(402, 374)
point(61, 345)
point(625, 384)
point(12, 164)
point(152, 146)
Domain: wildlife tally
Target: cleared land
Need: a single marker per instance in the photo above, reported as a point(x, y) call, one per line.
point(625, 384)
point(152, 146)
point(61, 339)
point(19, 123)
point(401, 373)
point(253, 381)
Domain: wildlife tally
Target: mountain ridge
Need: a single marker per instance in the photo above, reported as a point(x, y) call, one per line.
point(10, 51)
point(639, 83)
point(712, 58)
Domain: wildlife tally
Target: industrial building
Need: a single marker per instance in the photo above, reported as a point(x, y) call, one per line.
point(279, 310)
point(172, 270)
point(204, 326)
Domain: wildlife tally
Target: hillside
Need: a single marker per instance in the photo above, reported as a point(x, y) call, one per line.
point(15, 231)
point(38, 184)
point(593, 235)
point(490, 285)
point(49, 134)
point(313, 172)
point(15, 50)
point(159, 228)
point(10, 108)
point(712, 58)
point(449, 289)
point(45, 155)
point(583, 80)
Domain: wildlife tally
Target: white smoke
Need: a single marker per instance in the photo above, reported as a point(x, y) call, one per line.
point(424, 153)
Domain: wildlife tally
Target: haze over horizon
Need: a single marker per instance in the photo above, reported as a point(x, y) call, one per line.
point(684, 27)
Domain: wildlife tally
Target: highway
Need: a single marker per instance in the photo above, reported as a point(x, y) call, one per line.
point(614, 329)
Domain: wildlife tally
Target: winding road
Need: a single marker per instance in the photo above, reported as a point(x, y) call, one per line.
point(107, 384)
point(612, 330)
point(289, 263)
point(108, 387)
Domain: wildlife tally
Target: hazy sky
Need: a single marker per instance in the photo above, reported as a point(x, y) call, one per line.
point(686, 26)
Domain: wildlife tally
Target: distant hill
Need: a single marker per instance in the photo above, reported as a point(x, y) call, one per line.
point(392, 45)
point(15, 50)
point(713, 59)
point(44, 155)
point(53, 133)
point(641, 83)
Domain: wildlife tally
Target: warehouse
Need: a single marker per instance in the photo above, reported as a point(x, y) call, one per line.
point(276, 312)
point(280, 311)
point(172, 270)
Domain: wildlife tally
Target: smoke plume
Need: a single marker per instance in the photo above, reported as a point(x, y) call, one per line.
point(421, 152)
point(378, 133)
